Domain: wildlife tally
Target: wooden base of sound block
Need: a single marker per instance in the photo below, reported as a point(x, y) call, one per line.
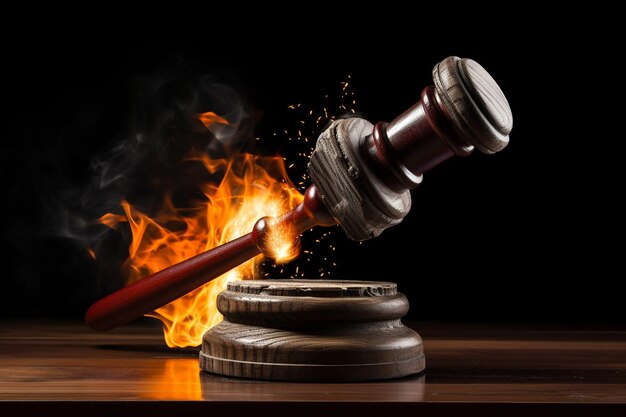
point(312, 330)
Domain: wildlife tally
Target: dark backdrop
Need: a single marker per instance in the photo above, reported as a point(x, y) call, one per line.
point(516, 236)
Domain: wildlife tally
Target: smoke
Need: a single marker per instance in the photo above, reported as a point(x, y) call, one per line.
point(130, 141)
point(143, 163)
point(163, 130)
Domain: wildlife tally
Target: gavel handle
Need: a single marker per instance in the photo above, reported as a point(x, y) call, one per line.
point(163, 287)
point(160, 288)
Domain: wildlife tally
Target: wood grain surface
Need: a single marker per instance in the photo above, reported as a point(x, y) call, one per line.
point(312, 330)
point(475, 102)
point(513, 370)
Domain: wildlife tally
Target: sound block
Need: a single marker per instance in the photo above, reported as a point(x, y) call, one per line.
point(312, 330)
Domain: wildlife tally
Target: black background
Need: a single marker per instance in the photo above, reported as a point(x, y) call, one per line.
point(516, 236)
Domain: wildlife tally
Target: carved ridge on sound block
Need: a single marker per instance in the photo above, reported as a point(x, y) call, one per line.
point(312, 330)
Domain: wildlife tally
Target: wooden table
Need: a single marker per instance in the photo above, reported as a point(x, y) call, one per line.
point(65, 369)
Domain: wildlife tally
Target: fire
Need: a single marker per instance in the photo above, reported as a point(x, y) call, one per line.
point(249, 188)
point(282, 241)
point(209, 118)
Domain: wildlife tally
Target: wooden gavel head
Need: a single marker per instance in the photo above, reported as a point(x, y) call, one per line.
point(363, 172)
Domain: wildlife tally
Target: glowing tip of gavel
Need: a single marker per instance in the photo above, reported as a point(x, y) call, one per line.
point(362, 174)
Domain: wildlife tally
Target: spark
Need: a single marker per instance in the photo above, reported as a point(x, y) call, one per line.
point(303, 129)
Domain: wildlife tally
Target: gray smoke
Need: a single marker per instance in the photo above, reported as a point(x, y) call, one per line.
point(146, 164)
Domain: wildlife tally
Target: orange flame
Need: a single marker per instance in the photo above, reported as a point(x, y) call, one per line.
point(209, 118)
point(251, 187)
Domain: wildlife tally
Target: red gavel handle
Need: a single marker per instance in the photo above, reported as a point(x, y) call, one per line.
point(163, 287)
point(156, 290)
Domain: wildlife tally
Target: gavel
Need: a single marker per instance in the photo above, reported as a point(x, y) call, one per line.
point(362, 175)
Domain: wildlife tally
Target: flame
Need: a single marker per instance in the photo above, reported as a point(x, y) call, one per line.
point(250, 187)
point(209, 118)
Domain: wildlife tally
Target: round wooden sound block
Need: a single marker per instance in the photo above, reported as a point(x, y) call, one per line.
point(312, 330)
